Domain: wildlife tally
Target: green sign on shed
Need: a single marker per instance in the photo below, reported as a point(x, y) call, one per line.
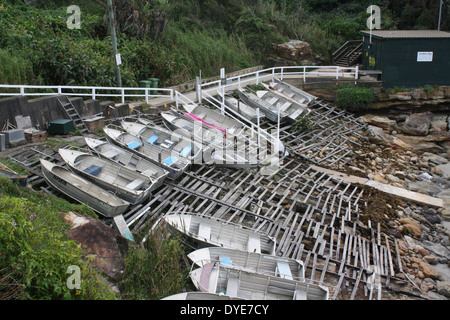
point(408, 58)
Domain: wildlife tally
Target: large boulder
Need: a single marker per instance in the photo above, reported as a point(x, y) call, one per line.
point(376, 135)
point(418, 124)
point(382, 122)
point(99, 241)
point(294, 50)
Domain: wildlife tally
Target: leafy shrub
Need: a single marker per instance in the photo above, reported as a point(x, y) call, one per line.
point(155, 269)
point(35, 249)
point(354, 98)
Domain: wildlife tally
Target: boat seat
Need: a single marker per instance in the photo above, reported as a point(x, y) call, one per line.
point(204, 231)
point(296, 113)
point(226, 261)
point(253, 244)
point(285, 106)
point(170, 160)
point(283, 270)
point(186, 151)
point(232, 286)
point(135, 184)
point(300, 295)
point(110, 154)
point(134, 145)
point(152, 139)
point(93, 170)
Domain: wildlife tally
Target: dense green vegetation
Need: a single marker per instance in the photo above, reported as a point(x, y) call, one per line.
point(173, 40)
point(354, 98)
point(36, 250)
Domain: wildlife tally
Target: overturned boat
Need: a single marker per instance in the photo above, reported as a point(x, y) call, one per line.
point(208, 232)
point(250, 261)
point(129, 160)
point(82, 190)
point(165, 139)
point(217, 278)
point(125, 183)
point(166, 159)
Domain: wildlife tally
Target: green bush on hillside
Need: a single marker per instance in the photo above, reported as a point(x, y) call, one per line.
point(35, 250)
point(354, 98)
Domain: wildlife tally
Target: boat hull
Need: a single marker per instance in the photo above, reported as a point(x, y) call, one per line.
point(83, 191)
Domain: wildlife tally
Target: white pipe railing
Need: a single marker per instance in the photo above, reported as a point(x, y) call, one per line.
point(93, 92)
point(303, 72)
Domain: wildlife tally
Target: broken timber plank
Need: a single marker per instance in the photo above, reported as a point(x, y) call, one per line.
point(400, 192)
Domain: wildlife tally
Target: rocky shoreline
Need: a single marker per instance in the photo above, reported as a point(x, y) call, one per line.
point(414, 155)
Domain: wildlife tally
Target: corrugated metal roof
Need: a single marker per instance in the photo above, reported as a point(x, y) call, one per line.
point(408, 33)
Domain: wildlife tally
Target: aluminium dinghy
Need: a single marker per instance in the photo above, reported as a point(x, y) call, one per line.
point(169, 160)
point(250, 261)
point(165, 139)
point(208, 232)
point(218, 278)
point(127, 184)
point(82, 190)
point(129, 160)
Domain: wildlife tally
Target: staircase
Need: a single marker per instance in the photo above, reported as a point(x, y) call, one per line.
point(73, 114)
point(348, 54)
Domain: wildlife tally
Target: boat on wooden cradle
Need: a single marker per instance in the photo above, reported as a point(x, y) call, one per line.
point(292, 108)
point(165, 139)
point(125, 183)
point(265, 107)
point(208, 232)
point(217, 278)
point(82, 190)
point(195, 130)
point(214, 119)
point(250, 261)
point(197, 295)
point(129, 160)
point(293, 92)
point(164, 158)
point(244, 110)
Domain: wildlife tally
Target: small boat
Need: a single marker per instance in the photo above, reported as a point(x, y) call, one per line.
point(291, 107)
point(208, 232)
point(244, 110)
point(215, 119)
point(250, 261)
point(197, 295)
point(166, 159)
point(293, 92)
point(165, 139)
point(82, 190)
point(194, 130)
point(265, 107)
point(217, 278)
point(125, 183)
point(129, 160)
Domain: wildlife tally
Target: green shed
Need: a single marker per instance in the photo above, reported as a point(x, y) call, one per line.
point(408, 58)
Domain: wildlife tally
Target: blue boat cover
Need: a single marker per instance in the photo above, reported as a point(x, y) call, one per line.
point(134, 145)
point(185, 152)
point(93, 170)
point(152, 139)
point(170, 160)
